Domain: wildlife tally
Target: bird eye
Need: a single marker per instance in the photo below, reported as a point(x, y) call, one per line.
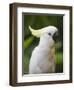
point(49, 33)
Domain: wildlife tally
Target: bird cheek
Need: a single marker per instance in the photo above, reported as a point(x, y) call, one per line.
point(51, 43)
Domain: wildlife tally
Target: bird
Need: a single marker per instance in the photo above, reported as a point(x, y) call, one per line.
point(43, 58)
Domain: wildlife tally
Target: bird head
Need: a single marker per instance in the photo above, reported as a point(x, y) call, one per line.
point(49, 31)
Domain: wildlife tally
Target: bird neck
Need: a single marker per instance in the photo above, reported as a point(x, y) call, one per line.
point(44, 41)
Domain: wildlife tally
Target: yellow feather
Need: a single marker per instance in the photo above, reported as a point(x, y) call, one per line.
point(36, 33)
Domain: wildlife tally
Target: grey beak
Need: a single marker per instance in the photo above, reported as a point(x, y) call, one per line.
point(56, 36)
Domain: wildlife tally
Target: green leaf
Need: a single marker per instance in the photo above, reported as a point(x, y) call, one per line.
point(28, 42)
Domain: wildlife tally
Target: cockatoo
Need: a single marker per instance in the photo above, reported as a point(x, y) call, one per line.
point(43, 56)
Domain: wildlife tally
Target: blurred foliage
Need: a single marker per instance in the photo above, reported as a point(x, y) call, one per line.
point(30, 42)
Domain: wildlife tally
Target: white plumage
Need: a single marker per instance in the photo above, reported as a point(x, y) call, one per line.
point(43, 56)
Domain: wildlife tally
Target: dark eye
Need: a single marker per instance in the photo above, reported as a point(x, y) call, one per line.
point(49, 33)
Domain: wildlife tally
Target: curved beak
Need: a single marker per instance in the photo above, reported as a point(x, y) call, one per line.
point(56, 36)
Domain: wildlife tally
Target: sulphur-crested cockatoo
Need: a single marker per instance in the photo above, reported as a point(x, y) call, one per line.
point(43, 56)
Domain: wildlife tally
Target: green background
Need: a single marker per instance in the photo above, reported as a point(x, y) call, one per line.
point(30, 42)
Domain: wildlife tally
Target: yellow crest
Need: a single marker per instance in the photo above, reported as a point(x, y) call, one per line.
point(34, 32)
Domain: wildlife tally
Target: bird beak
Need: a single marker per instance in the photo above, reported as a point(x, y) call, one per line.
point(56, 36)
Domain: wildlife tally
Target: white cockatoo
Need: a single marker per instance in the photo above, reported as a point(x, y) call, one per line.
point(43, 56)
